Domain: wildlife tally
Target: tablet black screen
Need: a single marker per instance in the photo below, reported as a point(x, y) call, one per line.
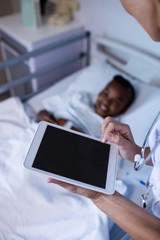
point(73, 156)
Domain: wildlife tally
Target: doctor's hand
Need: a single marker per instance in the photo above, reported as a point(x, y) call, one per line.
point(93, 195)
point(121, 135)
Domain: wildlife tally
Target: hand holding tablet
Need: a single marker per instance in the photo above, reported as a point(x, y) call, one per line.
point(73, 157)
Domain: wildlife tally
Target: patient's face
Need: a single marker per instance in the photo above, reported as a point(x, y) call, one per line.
point(147, 13)
point(112, 100)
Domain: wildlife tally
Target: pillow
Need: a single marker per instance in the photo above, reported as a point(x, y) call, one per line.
point(94, 78)
point(143, 111)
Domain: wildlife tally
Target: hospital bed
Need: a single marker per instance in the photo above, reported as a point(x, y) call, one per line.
point(30, 207)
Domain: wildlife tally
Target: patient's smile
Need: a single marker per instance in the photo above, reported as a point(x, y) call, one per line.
point(104, 107)
point(112, 100)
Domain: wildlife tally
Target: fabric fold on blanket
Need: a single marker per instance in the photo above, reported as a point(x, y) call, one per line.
point(13, 117)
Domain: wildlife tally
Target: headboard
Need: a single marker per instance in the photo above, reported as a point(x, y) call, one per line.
point(131, 60)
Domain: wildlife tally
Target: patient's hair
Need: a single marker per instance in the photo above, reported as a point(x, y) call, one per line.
point(126, 84)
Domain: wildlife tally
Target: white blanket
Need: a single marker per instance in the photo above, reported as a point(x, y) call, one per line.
point(13, 118)
point(32, 209)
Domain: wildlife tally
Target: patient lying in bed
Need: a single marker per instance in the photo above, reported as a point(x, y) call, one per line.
point(85, 112)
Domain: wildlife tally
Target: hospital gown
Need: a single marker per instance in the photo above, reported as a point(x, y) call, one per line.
point(78, 108)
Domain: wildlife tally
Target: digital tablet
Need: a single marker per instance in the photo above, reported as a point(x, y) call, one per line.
point(73, 157)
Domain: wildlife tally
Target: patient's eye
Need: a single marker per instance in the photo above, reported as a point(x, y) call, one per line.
point(106, 93)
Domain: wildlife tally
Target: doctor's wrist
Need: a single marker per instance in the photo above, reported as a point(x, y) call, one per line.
point(137, 150)
point(105, 202)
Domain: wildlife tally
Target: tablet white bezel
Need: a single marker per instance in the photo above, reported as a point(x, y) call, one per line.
point(112, 165)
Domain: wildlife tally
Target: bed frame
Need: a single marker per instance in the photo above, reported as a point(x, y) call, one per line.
point(131, 60)
point(83, 57)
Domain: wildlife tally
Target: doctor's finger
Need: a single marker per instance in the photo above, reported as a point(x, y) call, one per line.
point(116, 132)
point(115, 138)
point(111, 124)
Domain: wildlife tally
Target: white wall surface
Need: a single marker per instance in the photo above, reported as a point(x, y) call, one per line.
point(108, 17)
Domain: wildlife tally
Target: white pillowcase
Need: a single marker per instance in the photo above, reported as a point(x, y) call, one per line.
point(143, 111)
point(94, 78)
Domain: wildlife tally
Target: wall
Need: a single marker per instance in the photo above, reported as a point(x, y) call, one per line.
point(107, 17)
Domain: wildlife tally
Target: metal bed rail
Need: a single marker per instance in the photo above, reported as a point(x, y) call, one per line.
point(27, 78)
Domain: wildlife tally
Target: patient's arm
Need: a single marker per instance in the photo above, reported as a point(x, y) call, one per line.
point(44, 115)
